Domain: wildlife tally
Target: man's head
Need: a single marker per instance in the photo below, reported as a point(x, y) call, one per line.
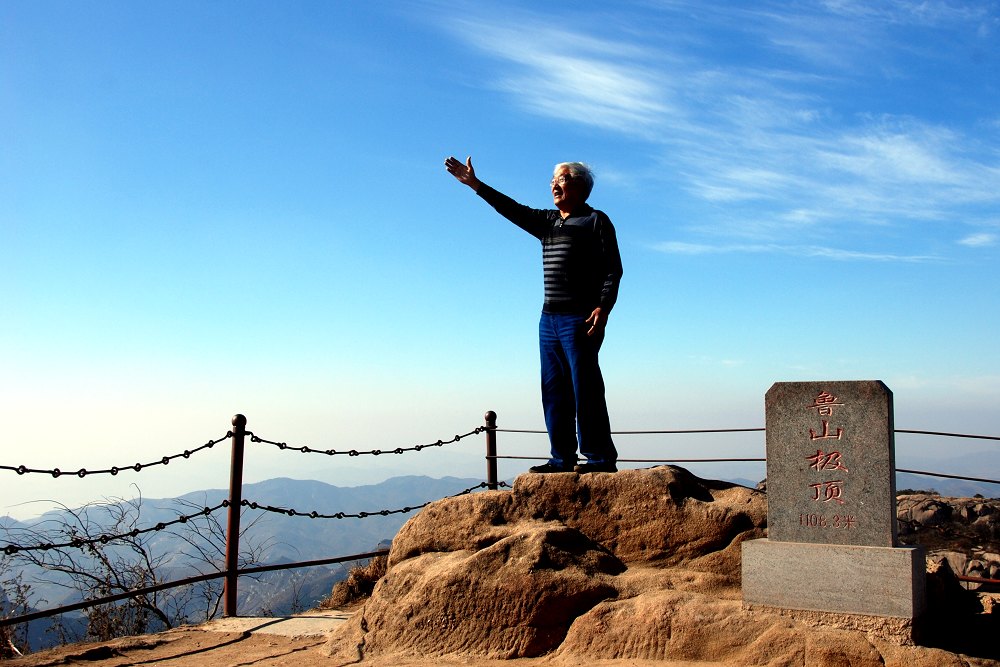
point(571, 185)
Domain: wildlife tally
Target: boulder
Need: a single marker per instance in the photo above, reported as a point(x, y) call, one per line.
point(672, 625)
point(512, 598)
point(923, 510)
point(505, 574)
point(662, 515)
point(639, 565)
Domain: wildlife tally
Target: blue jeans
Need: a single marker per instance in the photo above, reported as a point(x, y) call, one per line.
point(573, 391)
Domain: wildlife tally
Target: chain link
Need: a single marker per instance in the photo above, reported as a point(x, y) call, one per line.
point(360, 515)
point(114, 470)
point(11, 549)
point(372, 452)
point(79, 543)
point(187, 453)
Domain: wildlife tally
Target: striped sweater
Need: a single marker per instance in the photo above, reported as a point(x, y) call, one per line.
point(580, 258)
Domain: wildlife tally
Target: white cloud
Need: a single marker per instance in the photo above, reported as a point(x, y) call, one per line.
point(979, 240)
point(570, 75)
point(683, 248)
point(916, 157)
point(767, 142)
point(849, 255)
point(911, 12)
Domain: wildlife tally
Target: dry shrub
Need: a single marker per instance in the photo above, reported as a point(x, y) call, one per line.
point(359, 584)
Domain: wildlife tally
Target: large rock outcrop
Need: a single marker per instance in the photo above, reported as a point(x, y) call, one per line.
point(664, 516)
point(639, 565)
point(963, 531)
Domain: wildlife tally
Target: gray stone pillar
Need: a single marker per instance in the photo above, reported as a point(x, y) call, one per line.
point(831, 548)
point(831, 463)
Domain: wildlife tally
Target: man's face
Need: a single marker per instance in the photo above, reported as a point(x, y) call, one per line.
point(567, 192)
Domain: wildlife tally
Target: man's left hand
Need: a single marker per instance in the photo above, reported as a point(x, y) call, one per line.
point(597, 320)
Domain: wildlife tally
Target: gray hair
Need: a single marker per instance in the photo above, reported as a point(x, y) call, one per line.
point(581, 171)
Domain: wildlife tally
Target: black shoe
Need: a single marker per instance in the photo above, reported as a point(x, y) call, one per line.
point(595, 467)
point(548, 467)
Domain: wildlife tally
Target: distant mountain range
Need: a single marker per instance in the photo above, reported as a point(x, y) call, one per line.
point(298, 538)
point(283, 538)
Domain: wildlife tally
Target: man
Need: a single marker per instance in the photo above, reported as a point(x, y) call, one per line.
point(582, 269)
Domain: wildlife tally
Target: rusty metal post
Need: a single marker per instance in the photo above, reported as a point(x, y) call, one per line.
point(491, 450)
point(233, 525)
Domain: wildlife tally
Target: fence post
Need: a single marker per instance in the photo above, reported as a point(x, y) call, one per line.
point(491, 450)
point(233, 525)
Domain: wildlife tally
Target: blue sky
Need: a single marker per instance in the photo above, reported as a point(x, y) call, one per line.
point(211, 208)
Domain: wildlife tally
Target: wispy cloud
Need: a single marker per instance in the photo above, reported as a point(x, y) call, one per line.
point(571, 75)
point(683, 248)
point(917, 12)
point(774, 143)
point(979, 240)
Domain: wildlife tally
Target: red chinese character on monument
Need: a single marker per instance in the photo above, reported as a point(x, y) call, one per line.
point(826, 461)
point(826, 435)
point(823, 404)
point(827, 491)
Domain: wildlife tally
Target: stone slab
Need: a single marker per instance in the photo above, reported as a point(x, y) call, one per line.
point(899, 631)
point(831, 463)
point(311, 624)
point(874, 581)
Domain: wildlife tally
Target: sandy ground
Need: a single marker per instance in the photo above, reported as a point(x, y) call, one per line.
point(265, 642)
point(191, 647)
point(261, 642)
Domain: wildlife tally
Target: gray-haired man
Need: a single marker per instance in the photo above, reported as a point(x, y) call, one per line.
point(582, 269)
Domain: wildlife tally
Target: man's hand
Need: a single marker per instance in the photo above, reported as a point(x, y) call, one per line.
point(597, 321)
point(463, 172)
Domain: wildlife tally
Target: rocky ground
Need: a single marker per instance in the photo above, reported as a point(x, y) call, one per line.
point(636, 569)
point(963, 531)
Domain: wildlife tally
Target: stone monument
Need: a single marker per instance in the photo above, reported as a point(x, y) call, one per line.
point(831, 547)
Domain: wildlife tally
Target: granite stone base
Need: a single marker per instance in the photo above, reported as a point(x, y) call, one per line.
point(898, 631)
point(836, 578)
